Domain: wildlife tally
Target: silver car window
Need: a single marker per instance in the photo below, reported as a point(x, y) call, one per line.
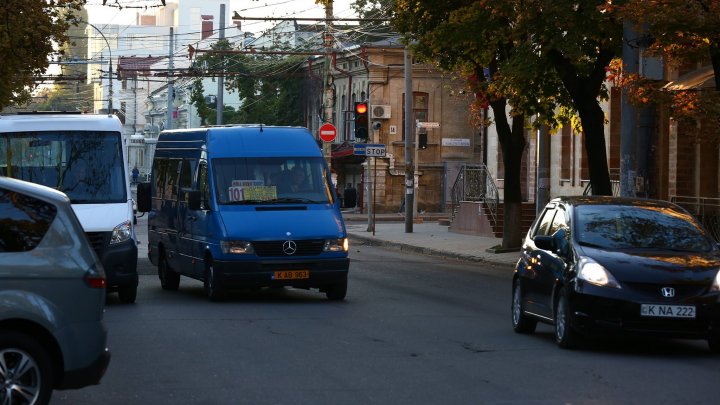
point(24, 221)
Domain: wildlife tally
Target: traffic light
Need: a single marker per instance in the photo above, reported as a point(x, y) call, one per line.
point(361, 120)
point(422, 138)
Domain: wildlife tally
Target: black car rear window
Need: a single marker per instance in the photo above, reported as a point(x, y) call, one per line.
point(24, 220)
point(638, 227)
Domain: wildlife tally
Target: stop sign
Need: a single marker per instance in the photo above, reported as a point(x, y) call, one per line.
point(328, 132)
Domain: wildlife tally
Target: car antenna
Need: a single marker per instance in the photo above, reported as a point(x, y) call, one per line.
point(261, 128)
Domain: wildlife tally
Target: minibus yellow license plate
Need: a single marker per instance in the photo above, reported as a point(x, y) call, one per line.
point(291, 275)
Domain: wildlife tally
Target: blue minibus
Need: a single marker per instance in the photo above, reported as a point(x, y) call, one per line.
point(244, 206)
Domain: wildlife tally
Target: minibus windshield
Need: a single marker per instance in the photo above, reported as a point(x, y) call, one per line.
point(85, 165)
point(295, 180)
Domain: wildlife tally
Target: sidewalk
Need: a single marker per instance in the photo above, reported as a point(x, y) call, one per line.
point(429, 238)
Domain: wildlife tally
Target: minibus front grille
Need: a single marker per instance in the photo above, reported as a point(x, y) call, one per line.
point(278, 248)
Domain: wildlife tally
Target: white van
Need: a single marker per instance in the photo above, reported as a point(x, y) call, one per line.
point(85, 157)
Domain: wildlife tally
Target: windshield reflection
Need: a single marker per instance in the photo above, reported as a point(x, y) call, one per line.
point(271, 181)
point(624, 227)
point(87, 166)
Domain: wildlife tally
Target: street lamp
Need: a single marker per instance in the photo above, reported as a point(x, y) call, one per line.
point(110, 79)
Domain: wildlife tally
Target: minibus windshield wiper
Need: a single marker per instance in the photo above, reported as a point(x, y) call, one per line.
point(295, 200)
point(244, 202)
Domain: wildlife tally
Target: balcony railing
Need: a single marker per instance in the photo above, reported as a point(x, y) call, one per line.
point(474, 183)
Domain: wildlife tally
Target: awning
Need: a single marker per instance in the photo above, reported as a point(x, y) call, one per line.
point(697, 79)
point(342, 149)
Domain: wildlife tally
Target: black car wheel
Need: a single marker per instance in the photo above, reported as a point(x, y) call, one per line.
point(714, 343)
point(565, 336)
point(212, 284)
point(169, 279)
point(26, 374)
point(521, 323)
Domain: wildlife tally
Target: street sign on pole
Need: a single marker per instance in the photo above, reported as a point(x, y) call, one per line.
point(428, 125)
point(370, 149)
point(375, 150)
point(328, 132)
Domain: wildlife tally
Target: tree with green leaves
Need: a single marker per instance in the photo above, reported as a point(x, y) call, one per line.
point(684, 33)
point(449, 35)
point(532, 58)
point(197, 98)
point(269, 85)
point(29, 33)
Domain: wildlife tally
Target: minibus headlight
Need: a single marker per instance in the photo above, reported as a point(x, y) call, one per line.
point(121, 233)
point(336, 245)
point(238, 247)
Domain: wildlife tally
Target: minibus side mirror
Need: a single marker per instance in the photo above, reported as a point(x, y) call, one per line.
point(143, 197)
point(193, 199)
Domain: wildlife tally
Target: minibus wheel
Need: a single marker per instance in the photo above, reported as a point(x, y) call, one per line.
point(212, 283)
point(337, 292)
point(169, 279)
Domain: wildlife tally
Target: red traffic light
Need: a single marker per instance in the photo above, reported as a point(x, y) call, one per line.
point(361, 108)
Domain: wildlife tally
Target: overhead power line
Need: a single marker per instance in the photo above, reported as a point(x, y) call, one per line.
point(309, 19)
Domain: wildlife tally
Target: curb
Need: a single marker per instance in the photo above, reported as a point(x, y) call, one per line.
point(369, 241)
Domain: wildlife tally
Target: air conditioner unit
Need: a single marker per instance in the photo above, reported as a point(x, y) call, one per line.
point(381, 112)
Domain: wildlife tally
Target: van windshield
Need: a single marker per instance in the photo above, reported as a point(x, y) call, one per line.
point(85, 165)
point(271, 180)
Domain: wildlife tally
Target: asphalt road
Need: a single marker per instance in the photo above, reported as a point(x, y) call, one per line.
point(413, 330)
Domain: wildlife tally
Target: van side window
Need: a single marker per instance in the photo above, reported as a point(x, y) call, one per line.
point(187, 169)
point(171, 180)
point(160, 171)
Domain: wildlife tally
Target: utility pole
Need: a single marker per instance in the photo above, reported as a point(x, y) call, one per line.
point(628, 126)
point(171, 83)
point(329, 101)
point(543, 169)
point(221, 79)
point(409, 123)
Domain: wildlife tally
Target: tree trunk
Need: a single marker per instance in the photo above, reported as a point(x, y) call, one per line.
point(584, 89)
point(512, 144)
point(593, 123)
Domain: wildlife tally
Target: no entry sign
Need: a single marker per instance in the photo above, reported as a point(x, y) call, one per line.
point(328, 132)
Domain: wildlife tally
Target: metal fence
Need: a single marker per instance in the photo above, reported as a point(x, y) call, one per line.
point(706, 210)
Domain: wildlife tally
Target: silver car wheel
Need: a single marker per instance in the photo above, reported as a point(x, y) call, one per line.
point(20, 377)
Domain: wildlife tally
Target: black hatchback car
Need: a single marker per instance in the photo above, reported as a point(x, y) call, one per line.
point(591, 265)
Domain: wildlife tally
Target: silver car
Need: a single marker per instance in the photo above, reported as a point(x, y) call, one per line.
point(52, 297)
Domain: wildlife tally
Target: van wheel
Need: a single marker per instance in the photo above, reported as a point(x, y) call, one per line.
point(169, 279)
point(127, 293)
point(212, 284)
point(26, 372)
point(337, 292)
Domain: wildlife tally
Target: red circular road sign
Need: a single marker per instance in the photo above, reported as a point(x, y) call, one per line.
point(328, 132)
